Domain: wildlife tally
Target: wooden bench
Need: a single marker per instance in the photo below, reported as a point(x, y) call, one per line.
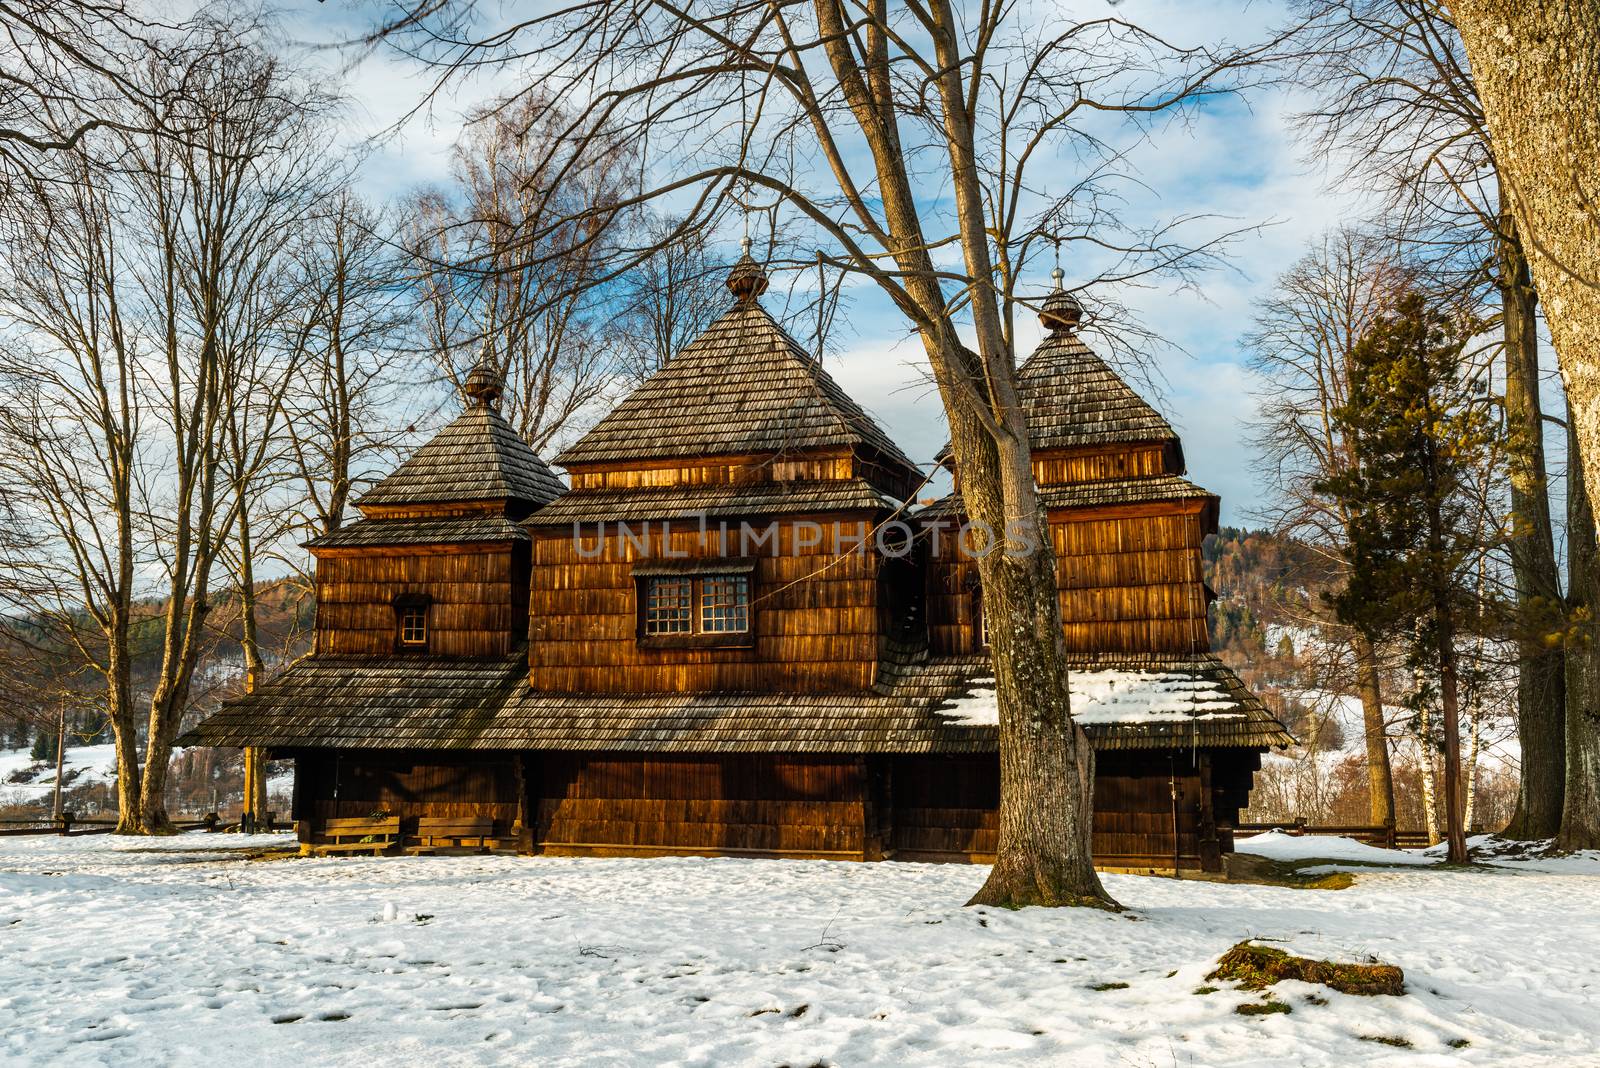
point(453, 832)
point(366, 834)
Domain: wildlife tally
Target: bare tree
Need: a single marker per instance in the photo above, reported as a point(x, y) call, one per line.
point(64, 74)
point(1534, 68)
point(350, 329)
point(132, 290)
point(511, 262)
point(1400, 112)
point(846, 113)
point(1301, 345)
point(672, 295)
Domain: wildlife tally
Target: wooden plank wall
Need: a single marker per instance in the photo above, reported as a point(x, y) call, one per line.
point(814, 615)
point(941, 808)
point(704, 472)
point(946, 808)
point(479, 599)
point(816, 464)
point(609, 804)
point(353, 783)
point(1130, 578)
point(1055, 467)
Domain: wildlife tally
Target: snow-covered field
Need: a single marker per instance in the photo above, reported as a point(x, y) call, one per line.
point(181, 952)
point(84, 764)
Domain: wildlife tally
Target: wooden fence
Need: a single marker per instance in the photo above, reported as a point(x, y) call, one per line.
point(1386, 837)
point(68, 826)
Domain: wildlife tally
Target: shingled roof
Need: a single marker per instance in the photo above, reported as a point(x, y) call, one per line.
point(372, 533)
point(1088, 494)
point(744, 387)
point(920, 707)
point(1073, 397)
point(478, 457)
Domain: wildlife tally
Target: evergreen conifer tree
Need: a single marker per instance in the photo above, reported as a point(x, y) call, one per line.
point(1413, 540)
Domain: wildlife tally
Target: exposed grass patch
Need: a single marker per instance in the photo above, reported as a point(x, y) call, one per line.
point(1256, 967)
point(1206, 989)
point(1263, 1008)
point(1248, 868)
point(1387, 1040)
point(1459, 1043)
point(1109, 986)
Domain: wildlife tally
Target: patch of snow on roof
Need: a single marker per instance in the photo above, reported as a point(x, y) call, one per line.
point(1112, 696)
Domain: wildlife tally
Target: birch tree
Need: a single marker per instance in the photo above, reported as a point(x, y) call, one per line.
point(510, 262)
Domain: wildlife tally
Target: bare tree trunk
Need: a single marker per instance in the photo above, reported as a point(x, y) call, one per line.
point(1450, 709)
point(1043, 855)
point(254, 805)
point(1474, 734)
point(1580, 815)
point(1430, 790)
point(1538, 80)
point(1541, 668)
point(1380, 778)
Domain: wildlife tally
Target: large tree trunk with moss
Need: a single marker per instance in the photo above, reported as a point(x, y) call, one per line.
point(1541, 704)
point(1580, 816)
point(1537, 74)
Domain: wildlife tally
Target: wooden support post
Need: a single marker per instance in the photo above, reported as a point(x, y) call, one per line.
point(522, 829)
point(1210, 850)
point(61, 753)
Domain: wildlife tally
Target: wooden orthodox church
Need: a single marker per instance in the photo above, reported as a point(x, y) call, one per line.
point(706, 646)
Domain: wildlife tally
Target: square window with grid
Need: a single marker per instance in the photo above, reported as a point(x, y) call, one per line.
point(669, 606)
point(724, 604)
point(414, 626)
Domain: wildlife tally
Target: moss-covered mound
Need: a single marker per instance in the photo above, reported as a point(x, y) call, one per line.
point(1257, 967)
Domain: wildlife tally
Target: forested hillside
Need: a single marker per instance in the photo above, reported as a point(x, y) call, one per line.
point(1271, 623)
point(35, 695)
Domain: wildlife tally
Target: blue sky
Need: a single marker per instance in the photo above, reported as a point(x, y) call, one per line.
point(1237, 159)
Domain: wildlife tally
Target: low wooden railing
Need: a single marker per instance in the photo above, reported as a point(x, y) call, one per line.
point(71, 826)
point(1384, 836)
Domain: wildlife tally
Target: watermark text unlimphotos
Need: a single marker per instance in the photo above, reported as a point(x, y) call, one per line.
point(894, 539)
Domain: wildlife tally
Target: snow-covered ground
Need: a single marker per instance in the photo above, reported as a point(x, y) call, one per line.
point(180, 952)
point(84, 765)
point(91, 765)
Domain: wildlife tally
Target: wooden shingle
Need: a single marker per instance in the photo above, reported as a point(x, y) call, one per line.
point(744, 387)
point(478, 457)
point(404, 703)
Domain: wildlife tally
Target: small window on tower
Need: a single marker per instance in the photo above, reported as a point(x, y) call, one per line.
point(411, 621)
point(414, 626)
